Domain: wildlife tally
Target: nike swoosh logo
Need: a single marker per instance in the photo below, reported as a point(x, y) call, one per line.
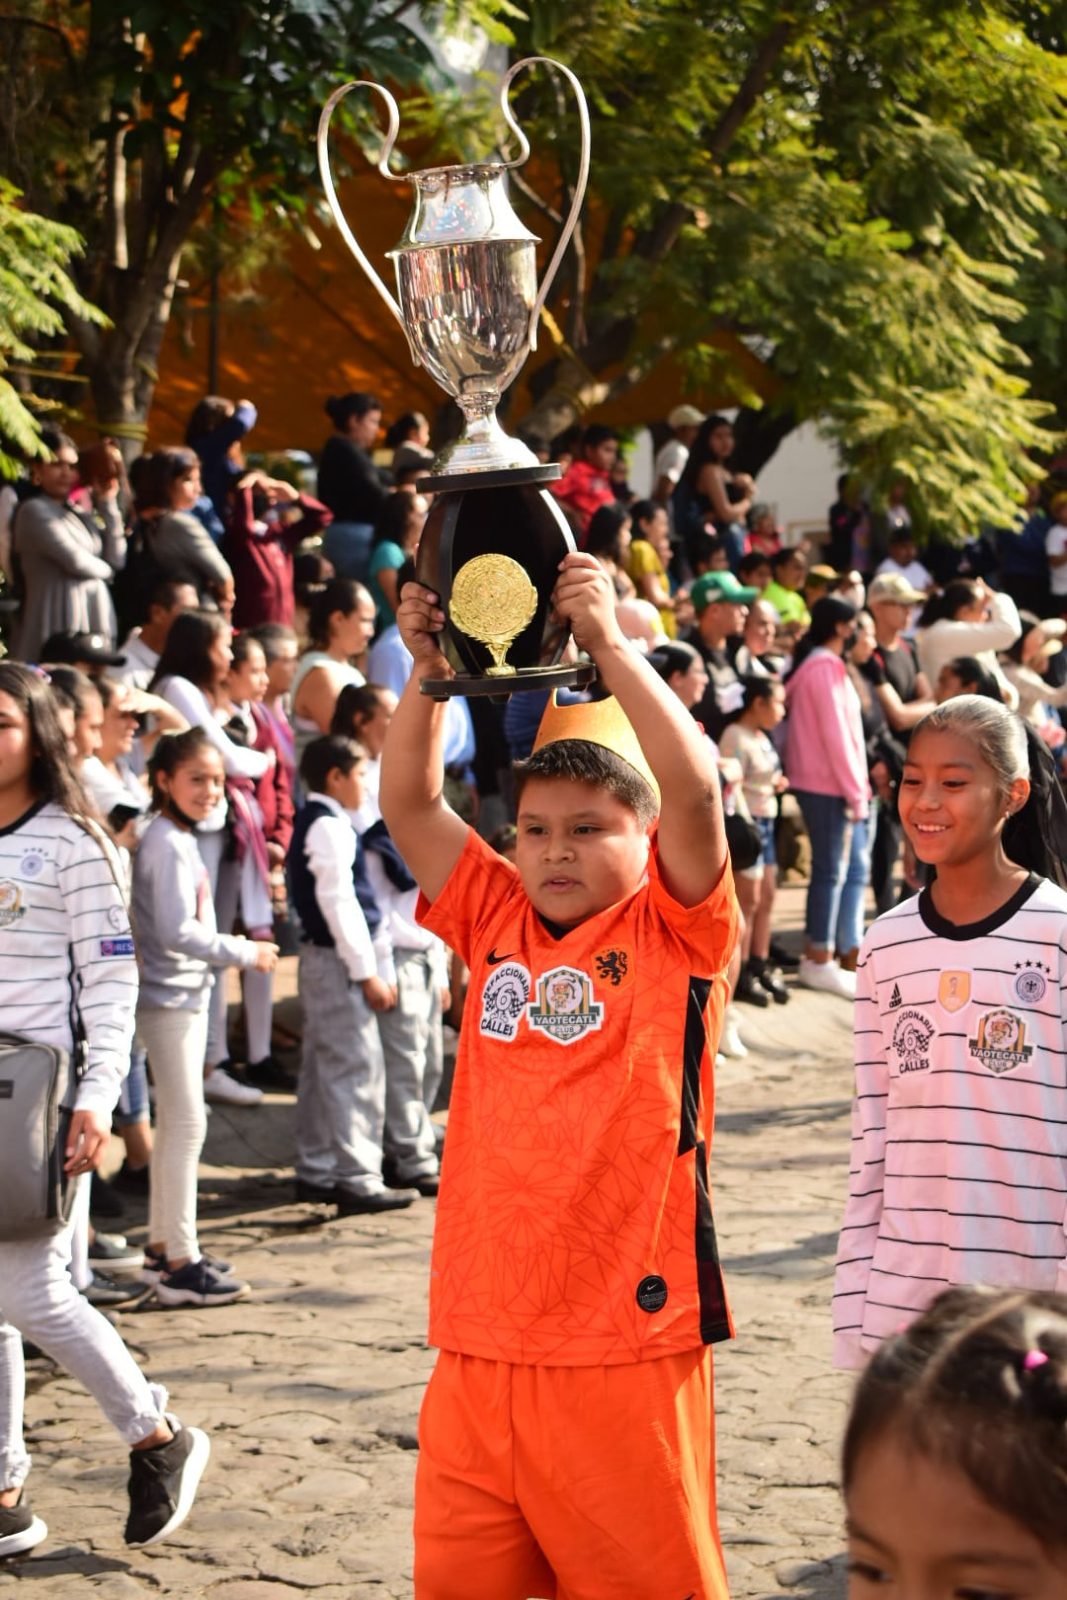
point(494, 960)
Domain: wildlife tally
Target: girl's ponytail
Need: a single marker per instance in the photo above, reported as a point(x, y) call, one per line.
point(1036, 836)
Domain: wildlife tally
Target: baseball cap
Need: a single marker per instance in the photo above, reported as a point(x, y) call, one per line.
point(685, 417)
point(893, 586)
point(67, 649)
point(827, 574)
point(715, 587)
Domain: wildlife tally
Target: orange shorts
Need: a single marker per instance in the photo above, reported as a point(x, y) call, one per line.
point(568, 1483)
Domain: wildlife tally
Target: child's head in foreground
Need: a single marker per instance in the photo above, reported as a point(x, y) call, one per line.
point(583, 820)
point(954, 1465)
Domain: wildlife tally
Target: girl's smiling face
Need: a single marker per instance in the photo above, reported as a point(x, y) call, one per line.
point(16, 749)
point(919, 1530)
point(195, 787)
point(952, 804)
point(248, 679)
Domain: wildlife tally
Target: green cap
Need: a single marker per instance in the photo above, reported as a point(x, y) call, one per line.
point(712, 587)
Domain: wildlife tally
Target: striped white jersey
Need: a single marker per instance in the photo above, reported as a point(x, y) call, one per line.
point(65, 933)
point(959, 1125)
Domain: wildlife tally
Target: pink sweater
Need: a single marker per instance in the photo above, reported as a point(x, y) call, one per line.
point(824, 746)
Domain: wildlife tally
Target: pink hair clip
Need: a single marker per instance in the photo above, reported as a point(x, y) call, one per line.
point(1034, 1359)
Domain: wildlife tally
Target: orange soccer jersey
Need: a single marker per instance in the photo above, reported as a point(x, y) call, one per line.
point(574, 1225)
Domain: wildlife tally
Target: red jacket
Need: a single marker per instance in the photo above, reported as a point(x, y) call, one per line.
point(273, 790)
point(583, 489)
point(262, 562)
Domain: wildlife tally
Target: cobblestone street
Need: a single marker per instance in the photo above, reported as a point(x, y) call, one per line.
point(311, 1390)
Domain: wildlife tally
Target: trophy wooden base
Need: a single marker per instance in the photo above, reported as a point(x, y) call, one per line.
point(522, 680)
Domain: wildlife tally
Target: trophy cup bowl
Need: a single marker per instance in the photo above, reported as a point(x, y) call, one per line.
point(469, 305)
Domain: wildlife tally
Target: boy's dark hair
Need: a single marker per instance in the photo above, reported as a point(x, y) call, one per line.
point(979, 1384)
point(580, 761)
point(597, 433)
point(751, 563)
point(332, 753)
point(782, 558)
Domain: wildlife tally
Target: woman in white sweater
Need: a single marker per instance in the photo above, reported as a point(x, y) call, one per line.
point(191, 676)
point(968, 619)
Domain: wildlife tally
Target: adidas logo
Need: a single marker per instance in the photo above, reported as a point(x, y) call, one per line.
point(896, 998)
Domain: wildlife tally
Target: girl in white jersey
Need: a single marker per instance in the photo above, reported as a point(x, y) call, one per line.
point(959, 1147)
point(66, 953)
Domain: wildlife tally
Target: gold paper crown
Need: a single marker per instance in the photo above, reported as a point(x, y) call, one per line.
point(601, 722)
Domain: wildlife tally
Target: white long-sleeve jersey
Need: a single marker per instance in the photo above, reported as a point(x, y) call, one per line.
point(959, 1125)
point(65, 945)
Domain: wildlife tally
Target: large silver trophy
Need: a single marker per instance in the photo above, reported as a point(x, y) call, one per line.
point(466, 275)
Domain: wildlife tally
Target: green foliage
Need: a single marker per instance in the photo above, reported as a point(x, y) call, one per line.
point(130, 119)
point(870, 197)
point(35, 290)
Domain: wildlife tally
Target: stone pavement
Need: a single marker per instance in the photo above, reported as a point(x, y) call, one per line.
point(311, 1390)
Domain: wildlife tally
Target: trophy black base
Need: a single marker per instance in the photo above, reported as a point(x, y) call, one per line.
point(523, 679)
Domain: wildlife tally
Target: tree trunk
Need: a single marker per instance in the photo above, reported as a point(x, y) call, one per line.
point(120, 410)
point(758, 434)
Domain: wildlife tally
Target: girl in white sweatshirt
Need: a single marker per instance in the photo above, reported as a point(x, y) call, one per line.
point(67, 968)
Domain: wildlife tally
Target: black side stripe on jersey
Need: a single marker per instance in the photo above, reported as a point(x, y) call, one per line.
point(714, 1323)
point(693, 1046)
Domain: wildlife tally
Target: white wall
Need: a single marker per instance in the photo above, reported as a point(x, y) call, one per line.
point(799, 482)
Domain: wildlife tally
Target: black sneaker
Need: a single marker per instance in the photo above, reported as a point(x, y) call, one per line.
point(269, 1074)
point(198, 1284)
point(155, 1267)
point(107, 1294)
point(750, 991)
point(359, 1205)
point(163, 1484)
point(772, 982)
point(20, 1530)
point(315, 1194)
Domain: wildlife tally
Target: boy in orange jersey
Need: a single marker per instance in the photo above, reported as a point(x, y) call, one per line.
point(567, 1434)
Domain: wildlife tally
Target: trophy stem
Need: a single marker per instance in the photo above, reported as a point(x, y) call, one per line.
point(483, 445)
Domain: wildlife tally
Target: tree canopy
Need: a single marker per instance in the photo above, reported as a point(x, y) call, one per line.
point(868, 198)
point(129, 119)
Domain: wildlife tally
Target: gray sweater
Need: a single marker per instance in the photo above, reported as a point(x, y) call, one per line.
point(183, 549)
point(174, 926)
point(67, 568)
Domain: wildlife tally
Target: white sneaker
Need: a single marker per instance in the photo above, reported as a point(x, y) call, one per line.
point(226, 1091)
point(827, 975)
point(731, 1043)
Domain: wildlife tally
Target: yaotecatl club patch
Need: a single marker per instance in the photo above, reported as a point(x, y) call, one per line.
point(1001, 1043)
point(564, 1008)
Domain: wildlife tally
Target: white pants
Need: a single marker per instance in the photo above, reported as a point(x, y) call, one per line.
point(38, 1300)
point(175, 1041)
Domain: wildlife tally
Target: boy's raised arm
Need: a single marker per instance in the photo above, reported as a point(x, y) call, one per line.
point(426, 830)
point(692, 842)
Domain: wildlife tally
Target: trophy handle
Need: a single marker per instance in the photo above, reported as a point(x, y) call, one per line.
point(579, 187)
point(322, 146)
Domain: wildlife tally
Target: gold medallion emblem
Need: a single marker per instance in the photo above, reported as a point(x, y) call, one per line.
point(492, 601)
point(954, 990)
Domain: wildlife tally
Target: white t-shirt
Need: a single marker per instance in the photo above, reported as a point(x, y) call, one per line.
point(670, 462)
point(1055, 545)
point(958, 1172)
point(914, 573)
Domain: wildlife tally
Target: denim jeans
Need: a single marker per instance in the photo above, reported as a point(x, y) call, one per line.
point(834, 915)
